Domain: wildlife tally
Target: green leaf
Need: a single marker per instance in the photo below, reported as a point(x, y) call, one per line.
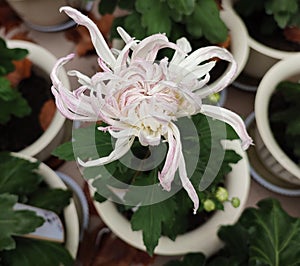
point(130, 21)
point(150, 218)
point(7, 55)
point(88, 142)
point(155, 16)
point(11, 102)
point(51, 199)
point(157, 213)
point(182, 6)
point(206, 20)
point(18, 176)
point(274, 235)
point(282, 10)
point(15, 222)
point(31, 252)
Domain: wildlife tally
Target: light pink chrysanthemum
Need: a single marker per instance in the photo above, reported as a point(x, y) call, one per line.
point(138, 96)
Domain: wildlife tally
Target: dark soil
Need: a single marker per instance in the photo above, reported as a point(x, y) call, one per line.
point(275, 39)
point(19, 133)
point(279, 129)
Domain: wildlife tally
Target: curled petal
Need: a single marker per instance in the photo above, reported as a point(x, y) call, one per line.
point(121, 148)
point(230, 118)
point(98, 40)
point(186, 183)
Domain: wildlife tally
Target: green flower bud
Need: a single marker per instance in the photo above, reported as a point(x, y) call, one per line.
point(209, 205)
point(222, 194)
point(235, 202)
point(214, 98)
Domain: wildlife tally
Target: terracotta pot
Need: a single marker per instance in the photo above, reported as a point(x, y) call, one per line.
point(53, 136)
point(44, 15)
point(272, 155)
point(202, 239)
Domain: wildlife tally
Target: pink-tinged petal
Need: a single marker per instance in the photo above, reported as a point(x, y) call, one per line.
point(206, 53)
point(147, 49)
point(125, 36)
point(231, 118)
point(122, 146)
point(186, 183)
point(70, 104)
point(98, 40)
point(82, 79)
point(179, 55)
point(166, 176)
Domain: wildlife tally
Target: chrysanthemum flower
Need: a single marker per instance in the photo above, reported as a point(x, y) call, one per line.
point(141, 97)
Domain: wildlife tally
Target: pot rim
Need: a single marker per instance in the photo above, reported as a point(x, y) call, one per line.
point(280, 71)
point(238, 186)
point(70, 213)
point(46, 61)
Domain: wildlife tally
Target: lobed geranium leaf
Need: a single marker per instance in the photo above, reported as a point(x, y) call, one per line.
point(14, 222)
point(31, 252)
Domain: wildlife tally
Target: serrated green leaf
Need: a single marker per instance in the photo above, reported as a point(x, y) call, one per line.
point(11, 102)
point(156, 215)
point(51, 199)
point(7, 55)
point(18, 176)
point(185, 7)
point(274, 235)
point(88, 142)
point(155, 16)
point(206, 20)
point(31, 252)
point(130, 23)
point(15, 222)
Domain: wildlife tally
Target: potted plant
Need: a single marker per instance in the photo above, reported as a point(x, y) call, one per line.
point(44, 16)
point(254, 239)
point(27, 101)
point(274, 121)
point(37, 213)
point(203, 23)
point(273, 32)
point(147, 126)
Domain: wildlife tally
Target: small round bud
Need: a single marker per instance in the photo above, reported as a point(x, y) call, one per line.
point(222, 194)
point(209, 205)
point(235, 202)
point(214, 98)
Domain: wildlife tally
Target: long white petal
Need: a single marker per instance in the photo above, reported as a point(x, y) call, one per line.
point(98, 40)
point(121, 148)
point(186, 183)
point(230, 118)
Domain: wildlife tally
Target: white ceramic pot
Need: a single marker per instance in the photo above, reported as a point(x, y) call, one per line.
point(53, 136)
point(70, 213)
point(204, 238)
point(44, 15)
point(239, 37)
point(261, 57)
point(272, 155)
